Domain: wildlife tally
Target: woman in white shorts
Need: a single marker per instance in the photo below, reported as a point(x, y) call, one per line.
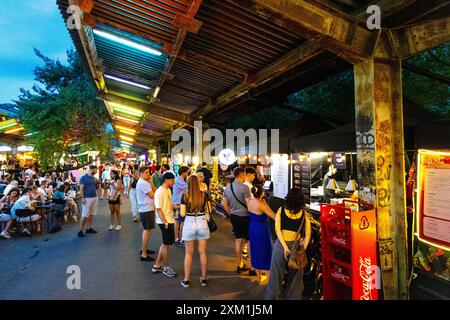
point(193, 207)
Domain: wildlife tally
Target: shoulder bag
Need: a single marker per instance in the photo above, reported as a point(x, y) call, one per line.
point(297, 259)
point(208, 211)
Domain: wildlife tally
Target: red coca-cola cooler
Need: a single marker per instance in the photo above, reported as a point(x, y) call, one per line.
point(349, 252)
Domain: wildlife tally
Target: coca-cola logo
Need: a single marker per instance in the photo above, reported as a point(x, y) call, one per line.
point(364, 224)
point(340, 240)
point(365, 273)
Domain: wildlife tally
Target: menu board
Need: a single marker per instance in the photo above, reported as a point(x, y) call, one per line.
point(434, 196)
point(280, 175)
point(301, 174)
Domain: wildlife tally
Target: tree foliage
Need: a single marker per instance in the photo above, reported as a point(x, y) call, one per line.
point(431, 94)
point(62, 109)
point(334, 97)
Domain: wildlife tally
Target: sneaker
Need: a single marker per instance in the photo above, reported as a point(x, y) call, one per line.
point(5, 235)
point(156, 269)
point(240, 270)
point(168, 271)
point(91, 231)
point(185, 283)
point(81, 234)
point(118, 228)
point(147, 258)
point(203, 282)
point(135, 220)
point(111, 227)
point(148, 252)
point(180, 243)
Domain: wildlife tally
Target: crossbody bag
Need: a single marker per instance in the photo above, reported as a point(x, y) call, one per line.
point(297, 259)
point(232, 191)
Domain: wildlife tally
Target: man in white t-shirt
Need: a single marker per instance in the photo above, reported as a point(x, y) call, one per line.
point(106, 176)
point(165, 218)
point(145, 192)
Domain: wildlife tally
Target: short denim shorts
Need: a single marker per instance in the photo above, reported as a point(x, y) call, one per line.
point(195, 228)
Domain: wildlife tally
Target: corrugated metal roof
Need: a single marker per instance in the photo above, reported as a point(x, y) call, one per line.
point(231, 46)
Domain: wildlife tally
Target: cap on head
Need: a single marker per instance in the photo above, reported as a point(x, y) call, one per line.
point(92, 167)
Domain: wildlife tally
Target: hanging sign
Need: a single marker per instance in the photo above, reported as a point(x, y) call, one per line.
point(280, 175)
point(339, 160)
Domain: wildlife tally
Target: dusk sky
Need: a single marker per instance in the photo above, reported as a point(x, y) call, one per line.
point(25, 24)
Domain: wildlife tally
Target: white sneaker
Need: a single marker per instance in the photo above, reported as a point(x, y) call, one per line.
point(111, 227)
point(118, 228)
point(168, 271)
point(5, 235)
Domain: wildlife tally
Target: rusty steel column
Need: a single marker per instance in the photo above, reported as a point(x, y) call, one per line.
point(381, 164)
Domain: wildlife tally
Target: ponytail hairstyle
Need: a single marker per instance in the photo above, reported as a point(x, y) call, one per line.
point(257, 190)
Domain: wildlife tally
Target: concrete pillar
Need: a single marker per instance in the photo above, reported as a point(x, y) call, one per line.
point(381, 167)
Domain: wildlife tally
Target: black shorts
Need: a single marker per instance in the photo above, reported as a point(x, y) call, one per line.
point(168, 235)
point(241, 226)
point(148, 220)
point(117, 201)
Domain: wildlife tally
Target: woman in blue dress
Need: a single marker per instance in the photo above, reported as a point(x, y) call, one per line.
point(260, 237)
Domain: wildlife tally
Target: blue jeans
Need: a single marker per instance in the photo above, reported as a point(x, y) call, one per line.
point(126, 184)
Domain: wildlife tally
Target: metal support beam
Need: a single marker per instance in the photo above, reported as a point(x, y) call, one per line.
point(381, 166)
point(193, 25)
point(152, 109)
point(86, 5)
point(291, 60)
point(90, 52)
point(412, 40)
point(344, 35)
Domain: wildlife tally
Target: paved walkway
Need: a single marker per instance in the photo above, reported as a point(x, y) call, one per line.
point(35, 268)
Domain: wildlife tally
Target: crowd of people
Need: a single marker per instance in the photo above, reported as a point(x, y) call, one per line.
point(178, 205)
point(24, 189)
